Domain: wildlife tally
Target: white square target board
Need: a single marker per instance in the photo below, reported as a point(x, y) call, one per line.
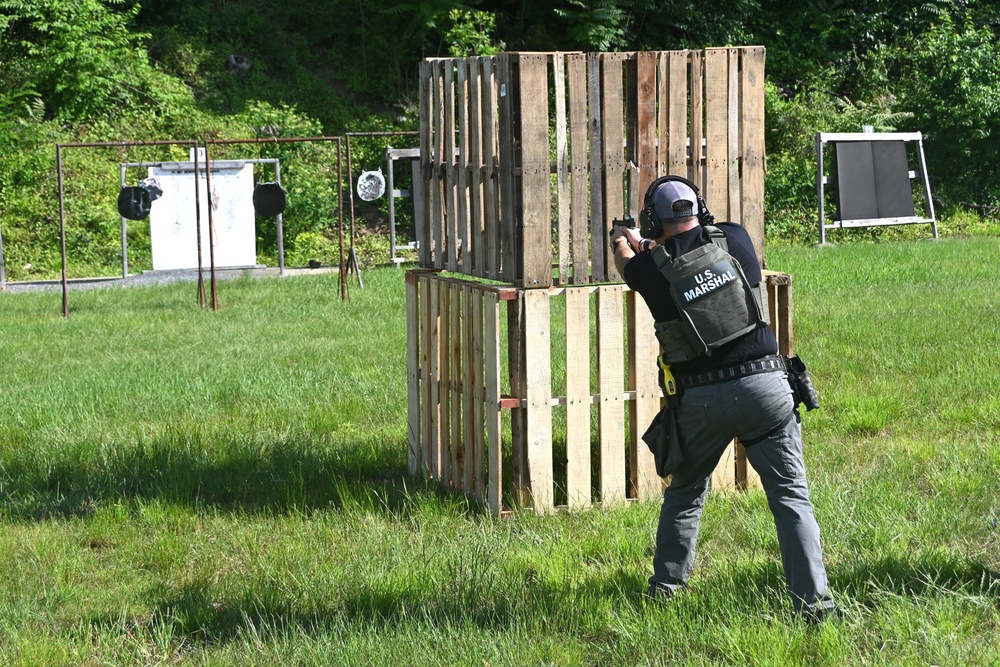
point(172, 222)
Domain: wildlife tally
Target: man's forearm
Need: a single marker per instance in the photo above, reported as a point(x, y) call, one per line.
point(623, 253)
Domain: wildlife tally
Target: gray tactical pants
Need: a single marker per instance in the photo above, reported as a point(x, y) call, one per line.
point(708, 418)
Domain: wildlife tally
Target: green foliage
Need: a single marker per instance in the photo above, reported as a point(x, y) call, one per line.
point(312, 247)
point(596, 25)
point(81, 58)
point(950, 80)
point(109, 70)
point(471, 34)
point(308, 169)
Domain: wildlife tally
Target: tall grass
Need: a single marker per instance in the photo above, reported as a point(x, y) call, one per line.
point(181, 486)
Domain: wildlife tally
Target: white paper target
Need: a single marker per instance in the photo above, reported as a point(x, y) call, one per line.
point(173, 227)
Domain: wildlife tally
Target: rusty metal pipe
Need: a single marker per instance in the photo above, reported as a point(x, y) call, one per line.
point(62, 204)
point(211, 229)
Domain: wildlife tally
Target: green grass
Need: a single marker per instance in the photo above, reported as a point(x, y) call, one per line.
point(182, 486)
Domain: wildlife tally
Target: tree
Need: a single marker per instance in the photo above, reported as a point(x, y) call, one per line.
point(950, 82)
point(80, 58)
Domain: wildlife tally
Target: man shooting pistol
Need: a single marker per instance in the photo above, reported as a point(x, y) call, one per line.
point(722, 378)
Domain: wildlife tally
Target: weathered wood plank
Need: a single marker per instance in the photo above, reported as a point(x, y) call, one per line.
point(752, 146)
point(779, 297)
point(437, 195)
point(444, 425)
point(598, 268)
point(465, 238)
point(613, 141)
point(491, 388)
point(662, 106)
point(724, 475)
point(635, 194)
point(676, 97)
point(697, 120)
point(469, 399)
point(576, 67)
point(716, 192)
point(517, 369)
point(536, 200)
point(643, 351)
point(646, 123)
point(457, 387)
point(476, 169)
point(509, 212)
point(746, 476)
point(413, 373)
point(432, 406)
point(478, 426)
point(786, 339)
point(426, 162)
point(450, 169)
point(578, 475)
point(538, 352)
point(611, 381)
point(491, 176)
point(562, 168)
point(733, 121)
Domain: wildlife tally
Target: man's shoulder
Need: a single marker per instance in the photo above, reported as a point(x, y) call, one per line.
point(735, 232)
point(731, 228)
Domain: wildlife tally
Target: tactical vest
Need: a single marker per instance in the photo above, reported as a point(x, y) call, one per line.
point(715, 302)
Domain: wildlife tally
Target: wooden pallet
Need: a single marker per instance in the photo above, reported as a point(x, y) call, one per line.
point(538, 397)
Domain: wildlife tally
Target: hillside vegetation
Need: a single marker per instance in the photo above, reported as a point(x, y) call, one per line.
point(118, 70)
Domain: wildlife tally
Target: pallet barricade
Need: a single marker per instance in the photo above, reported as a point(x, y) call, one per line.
point(526, 158)
point(525, 161)
point(539, 397)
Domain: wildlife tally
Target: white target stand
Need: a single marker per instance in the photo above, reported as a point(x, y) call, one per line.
point(174, 218)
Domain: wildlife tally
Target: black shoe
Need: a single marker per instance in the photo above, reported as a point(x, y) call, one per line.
point(656, 592)
point(820, 615)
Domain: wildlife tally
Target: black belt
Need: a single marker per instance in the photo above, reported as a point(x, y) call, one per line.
point(762, 365)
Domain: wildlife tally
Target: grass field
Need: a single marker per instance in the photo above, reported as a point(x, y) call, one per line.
point(182, 486)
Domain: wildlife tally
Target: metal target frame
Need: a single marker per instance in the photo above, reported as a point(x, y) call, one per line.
point(340, 196)
point(195, 145)
point(190, 143)
point(822, 180)
point(352, 257)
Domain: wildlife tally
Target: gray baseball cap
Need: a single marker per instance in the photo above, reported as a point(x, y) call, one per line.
point(673, 200)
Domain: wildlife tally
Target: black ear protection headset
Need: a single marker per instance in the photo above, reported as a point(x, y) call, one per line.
point(650, 225)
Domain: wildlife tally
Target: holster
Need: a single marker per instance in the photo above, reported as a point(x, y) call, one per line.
point(661, 438)
point(803, 391)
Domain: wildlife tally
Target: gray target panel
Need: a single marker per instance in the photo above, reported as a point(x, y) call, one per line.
point(873, 180)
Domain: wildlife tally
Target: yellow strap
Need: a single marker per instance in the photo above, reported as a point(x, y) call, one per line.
point(669, 384)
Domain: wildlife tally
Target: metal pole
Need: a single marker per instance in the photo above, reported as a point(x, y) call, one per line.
point(340, 226)
point(197, 227)
point(927, 184)
point(62, 232)
point(280, 225)
point(211, 229)
point(350, 192)
point(392, 207)
point(819, 188)
point(62, 206)
point(3, 265)
point(350, 183)
point(121, 169)
point(340, 181)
